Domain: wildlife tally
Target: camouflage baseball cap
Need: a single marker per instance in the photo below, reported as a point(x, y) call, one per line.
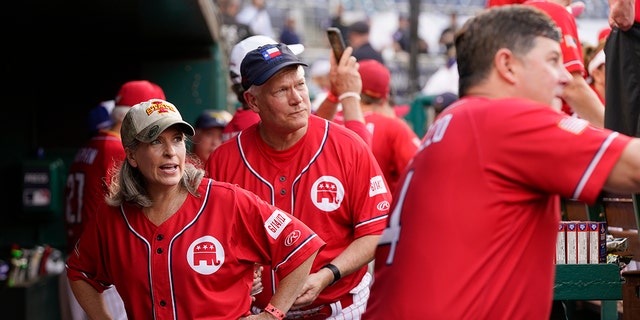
point(147, 120)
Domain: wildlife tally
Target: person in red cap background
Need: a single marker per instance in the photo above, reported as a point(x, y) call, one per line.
point(393, 142)
point(89, 176)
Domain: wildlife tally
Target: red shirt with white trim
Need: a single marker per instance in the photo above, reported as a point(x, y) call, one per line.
point(478, 208)
point(196, 265)
point(329, 179)
point(87, 181)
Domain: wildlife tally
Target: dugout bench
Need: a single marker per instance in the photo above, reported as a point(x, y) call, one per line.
point(603, 282)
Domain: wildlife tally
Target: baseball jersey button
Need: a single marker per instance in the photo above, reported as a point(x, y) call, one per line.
point(282, 179)
point(163, 303)
point(160, 237)
point(283, 191)
point(159, 250)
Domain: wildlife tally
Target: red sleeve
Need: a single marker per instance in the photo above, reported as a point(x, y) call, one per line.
point(407, 145)
point(81, 264)
point(287, 241)
point(360, 129)
point(587, 157)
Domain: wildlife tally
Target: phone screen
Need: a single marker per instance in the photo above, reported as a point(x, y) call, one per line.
point(337, 42)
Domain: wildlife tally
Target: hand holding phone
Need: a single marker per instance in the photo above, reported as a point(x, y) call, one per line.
point(337, 42)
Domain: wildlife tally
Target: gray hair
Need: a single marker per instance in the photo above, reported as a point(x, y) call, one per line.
point(128, 183)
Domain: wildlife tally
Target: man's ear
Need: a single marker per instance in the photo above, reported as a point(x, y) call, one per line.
point(251, 101)
point(505, 64)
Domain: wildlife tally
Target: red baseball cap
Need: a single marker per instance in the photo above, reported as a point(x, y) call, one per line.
point(137, 91)
point(375, 78)
point(604, 33)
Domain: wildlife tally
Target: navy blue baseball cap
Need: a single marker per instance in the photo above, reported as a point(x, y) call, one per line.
point(260, 64)
point(443, 100)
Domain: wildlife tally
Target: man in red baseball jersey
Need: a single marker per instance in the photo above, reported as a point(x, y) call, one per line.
point(393, 142)
point(320, 172)
point(473, 229)
point(89, 176)
point(180, 246)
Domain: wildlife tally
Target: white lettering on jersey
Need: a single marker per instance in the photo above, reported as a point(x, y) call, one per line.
point(377, 186)
point(573, 125)
point(86, 155)
point(327, 193)
point(370, 127)
point(276, 223)
point(205, 255)
point(436, 131)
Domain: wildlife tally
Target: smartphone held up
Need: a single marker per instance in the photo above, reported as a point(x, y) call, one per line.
point(337, 42)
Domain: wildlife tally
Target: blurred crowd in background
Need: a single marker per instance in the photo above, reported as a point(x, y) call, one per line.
point(305, 22)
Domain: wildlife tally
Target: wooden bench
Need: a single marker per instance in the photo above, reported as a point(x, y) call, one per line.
point(583, 282)
point(603, 281)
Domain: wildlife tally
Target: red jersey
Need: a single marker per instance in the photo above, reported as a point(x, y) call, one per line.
point(360, 129)
point(242, 119)
point(356, 126)
point(329, 180)
point(570, 43)
point(199, 263)
point(478, 208)
point(393, 144)
point(87, 181)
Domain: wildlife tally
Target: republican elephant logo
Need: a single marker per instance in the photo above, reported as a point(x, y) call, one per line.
point(205, 255)
point(327, 193)
point(205, 252)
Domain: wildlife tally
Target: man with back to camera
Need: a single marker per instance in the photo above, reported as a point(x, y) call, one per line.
point(487, 180)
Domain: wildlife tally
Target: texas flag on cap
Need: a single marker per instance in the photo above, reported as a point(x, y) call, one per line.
point(271, 53)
